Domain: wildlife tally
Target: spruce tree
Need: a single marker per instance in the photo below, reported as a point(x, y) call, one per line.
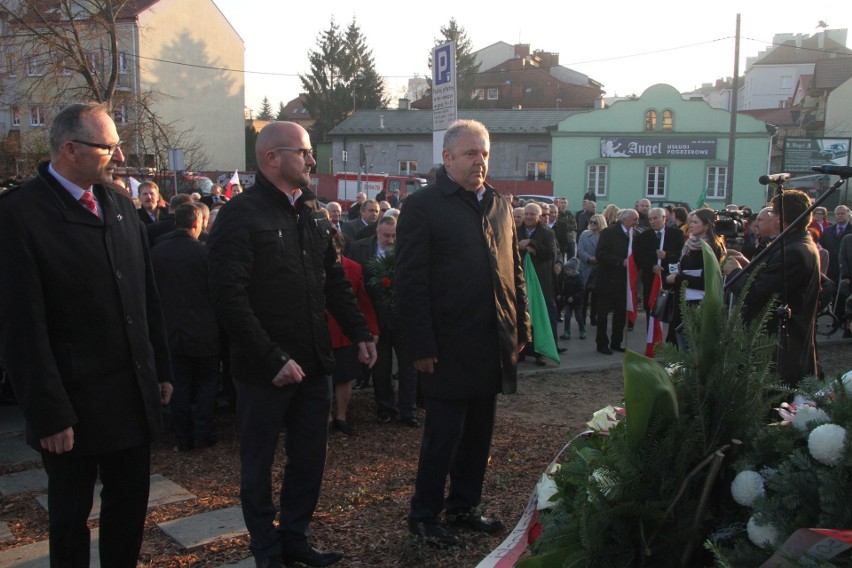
point(282, 114)
point(265, 110)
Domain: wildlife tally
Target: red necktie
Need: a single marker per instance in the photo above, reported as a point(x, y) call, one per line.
point(88, 201)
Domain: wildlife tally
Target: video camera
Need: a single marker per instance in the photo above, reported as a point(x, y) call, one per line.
point(732, 225)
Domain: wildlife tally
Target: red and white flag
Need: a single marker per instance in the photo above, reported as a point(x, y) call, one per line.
point(655, 328)
point(235, 180)
point(134, 186)
point(632, 274)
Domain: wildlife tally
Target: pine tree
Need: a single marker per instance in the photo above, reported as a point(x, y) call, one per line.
point(265, 110)
point(342, 75)
point(466, 66)
point(282, 114)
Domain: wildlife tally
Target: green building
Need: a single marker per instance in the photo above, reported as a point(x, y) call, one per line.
point(661, 147)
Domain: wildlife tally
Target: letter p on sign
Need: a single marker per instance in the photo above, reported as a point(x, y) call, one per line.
point(443, 65)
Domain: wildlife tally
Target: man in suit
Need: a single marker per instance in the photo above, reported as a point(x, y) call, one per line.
point(539, 241)
point(363, 227)
point(180, 266)
point(390, 338)
point(215, 196)
point(82, 337)
point(655, 250)
point(831, 237)
point(273, 273)
point(463, 339)
point(611, 283)
point(149, 199)
point(355, 210)
point(166, 224)
point(335, 211)
point(583, 215)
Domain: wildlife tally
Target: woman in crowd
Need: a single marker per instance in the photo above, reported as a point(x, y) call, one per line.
point(820, 221)
point(690, 275)
point(586, 253)
point(347, 368)
point(610, 214)
point(680, 217)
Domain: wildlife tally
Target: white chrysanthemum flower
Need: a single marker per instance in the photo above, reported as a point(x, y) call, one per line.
point(807, 414)
point(847, 382)
point(747, 487)
point(545, 489)
point(762, 535)
point(826, 444)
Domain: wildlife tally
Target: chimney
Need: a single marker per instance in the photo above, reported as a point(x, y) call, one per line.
point(382, 121)
point(821, 40)
point(403, 104)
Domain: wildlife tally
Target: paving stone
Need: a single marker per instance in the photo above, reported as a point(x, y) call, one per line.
point(247, 563)
point(198, 530)
point(163, 492)
point(29, 480)
point(6, 533)
point(37, 555)
point(14, 450)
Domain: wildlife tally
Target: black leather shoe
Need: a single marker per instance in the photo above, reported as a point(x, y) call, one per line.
point(410, 421)
point(605, 350)
point(310, 556)
point(432, 533)
point(472, 520)
point(343, 426)
point(561, 349)
point(618, 348)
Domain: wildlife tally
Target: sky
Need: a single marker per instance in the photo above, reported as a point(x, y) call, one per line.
point(626, 46)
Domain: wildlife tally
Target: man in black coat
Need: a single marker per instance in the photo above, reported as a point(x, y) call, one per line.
point(149, 200)
point(462, 308)
point(656, 249)
point(273, 273)
point(390, 338)
point(82, 337)
point(831, 237)
point(215, 196)
point(166, 224)
point(611, 282)
point(794, 278)
point(364, 226)
point(180, 266)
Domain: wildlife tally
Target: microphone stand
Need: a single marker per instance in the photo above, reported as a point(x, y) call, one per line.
point(783, 312)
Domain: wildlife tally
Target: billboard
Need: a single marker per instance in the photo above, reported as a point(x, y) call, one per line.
point(624, 147)
point(800, 154)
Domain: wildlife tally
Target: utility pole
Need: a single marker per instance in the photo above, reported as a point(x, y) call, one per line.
point(732, 134)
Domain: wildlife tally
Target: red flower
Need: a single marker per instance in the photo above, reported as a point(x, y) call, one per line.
point(386, 282)
point(534, 532)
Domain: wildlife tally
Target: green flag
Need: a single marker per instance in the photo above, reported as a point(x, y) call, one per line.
point(701, 198)
point(543, 341)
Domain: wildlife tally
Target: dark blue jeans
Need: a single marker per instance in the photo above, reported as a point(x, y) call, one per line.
point(302, 410)
point(196, 379)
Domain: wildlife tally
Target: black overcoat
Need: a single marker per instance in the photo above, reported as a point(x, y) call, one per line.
point(611, 253)
point(460, 289)
point(81, 327)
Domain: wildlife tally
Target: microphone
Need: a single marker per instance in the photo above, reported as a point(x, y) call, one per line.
point(832, 170)
point(774, 178)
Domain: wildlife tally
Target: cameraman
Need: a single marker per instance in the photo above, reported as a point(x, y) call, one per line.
point(794, 278)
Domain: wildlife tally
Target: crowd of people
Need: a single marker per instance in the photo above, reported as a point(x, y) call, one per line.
point(111, 311)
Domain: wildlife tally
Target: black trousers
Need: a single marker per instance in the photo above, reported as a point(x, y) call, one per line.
point(456, 442)
point(618, 306)
point(302, 410)
point(126, 479)
point(390, 341)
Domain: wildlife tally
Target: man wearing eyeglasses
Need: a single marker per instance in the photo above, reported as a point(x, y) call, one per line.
point(82, 337)
point(273, 273)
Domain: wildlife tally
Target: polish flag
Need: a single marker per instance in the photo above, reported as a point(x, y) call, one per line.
point(655, 328)
point(632, 274)
point(235, 180)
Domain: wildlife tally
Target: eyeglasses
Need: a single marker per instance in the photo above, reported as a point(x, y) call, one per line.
point(593, 222)
point(111, 148)
point(305, 152)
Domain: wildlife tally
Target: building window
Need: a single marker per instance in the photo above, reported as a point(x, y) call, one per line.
point(35, 68)
point(538, 170)
point(650, 121)
point(122, 62)
point(478, 94)
point(407, 167)
point(36, 115)
point(16, 116)
point(786, 81)
point(12, 65)
point(717, 182)
point(668, 121)
point(656, 181)
point(119, 114)
point(493, 94)
point(597, 179)
point(93, 58)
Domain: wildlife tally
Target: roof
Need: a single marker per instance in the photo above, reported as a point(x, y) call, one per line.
point(832, 72)
point(776, 116)
point(295, 109)
point(413, 122)
point(51, 11)
point(809, 52)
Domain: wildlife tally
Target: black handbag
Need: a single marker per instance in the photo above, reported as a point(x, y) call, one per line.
point(664, 306)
